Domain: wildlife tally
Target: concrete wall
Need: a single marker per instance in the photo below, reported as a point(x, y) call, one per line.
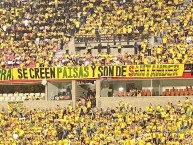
point(83, 88)
point(114, 51)
point(98, 92)
point(156, 87)
point(46, 104)
point(71, 45)
point(140, 102)
point(39, 104)
point(52, 90)
point(3, 105)
point(79, 91)
point(104, 102)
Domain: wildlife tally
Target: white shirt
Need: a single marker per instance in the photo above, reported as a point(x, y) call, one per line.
point(10, 62)
point(37, 41)
point(26, 22)
point(45, 131)
point(15, 136)
point(63, 90)
point(18, 58)
point(188, 39)
point(4, 28)
point(78, 15)
point(86, 63)
point(28, 16)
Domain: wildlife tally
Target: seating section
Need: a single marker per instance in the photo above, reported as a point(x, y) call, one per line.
point(123, 124)
point(131, 18)
point(33, 31)
point(146, 92)
point(101, 59)
point(164, 28)
point(178, 92)
point(133, 93)
point(22, 97)
point(143, 92)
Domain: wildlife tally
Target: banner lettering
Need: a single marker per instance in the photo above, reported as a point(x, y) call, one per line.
point(5, 74)
point(92, 72)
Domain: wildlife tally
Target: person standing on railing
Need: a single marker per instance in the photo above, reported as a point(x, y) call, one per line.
point(97, 34)
point(99, 48)
point(108, 49)
point(110, 90)
point(67, 49)
point(89, 47)
point(149, 47)
point(119, 47)
point(136, 47)
point(61, 44)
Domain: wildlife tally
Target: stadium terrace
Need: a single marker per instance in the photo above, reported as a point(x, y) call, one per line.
point(96, 72)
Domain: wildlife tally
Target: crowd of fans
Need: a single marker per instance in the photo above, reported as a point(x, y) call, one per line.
point(169, 26)
point(146, 19)
point(136, 17)
point(101, 59)
point(33, 31)
point(124, 125)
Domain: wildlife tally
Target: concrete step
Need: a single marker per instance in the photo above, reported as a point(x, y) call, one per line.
point(114, 51)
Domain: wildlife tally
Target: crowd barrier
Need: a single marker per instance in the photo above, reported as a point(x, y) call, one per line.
point(140, 102)
point(103, 102)
point(42, 104)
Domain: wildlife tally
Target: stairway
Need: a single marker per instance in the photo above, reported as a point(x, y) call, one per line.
point(71, 47)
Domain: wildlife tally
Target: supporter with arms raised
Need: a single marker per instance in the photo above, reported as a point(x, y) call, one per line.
point(85, 125)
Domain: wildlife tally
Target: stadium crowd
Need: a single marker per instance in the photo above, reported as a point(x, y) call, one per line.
point(33, 31)
point(158, 19)
point(171, 124)
point(129, 18)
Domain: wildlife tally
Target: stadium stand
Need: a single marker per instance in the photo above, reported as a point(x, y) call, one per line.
point(168, 25)
point(106, 33)
point(32, 32)
point(124, 125)
point(128, 18)
point(178, 92)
